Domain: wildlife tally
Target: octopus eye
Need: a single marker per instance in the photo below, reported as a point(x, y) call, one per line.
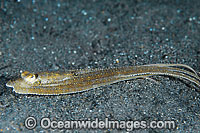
point(36, 75)
point(32, 76)
point(29, 77)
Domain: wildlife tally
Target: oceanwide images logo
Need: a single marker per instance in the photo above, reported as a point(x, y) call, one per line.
point(47, 123)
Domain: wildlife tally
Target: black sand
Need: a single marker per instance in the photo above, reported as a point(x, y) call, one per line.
point(57, 35)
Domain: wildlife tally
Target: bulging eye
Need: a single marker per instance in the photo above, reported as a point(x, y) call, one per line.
point(29, 77)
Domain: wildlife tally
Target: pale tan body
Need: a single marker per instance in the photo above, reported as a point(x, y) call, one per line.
point(55, 83)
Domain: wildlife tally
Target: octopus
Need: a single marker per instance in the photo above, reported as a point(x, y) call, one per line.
point(73, 81)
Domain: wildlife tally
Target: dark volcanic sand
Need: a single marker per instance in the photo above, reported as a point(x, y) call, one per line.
point(57, 35)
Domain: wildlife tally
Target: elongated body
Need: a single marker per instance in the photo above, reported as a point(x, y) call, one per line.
point(55, 83)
